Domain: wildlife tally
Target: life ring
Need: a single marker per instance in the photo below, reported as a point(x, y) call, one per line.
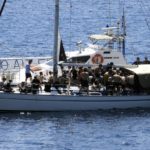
point(97, 59)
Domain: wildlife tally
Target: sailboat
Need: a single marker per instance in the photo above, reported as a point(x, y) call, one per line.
point(43, 101)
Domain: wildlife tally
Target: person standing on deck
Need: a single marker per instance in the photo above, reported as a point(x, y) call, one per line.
point(84, 80)
point(146, 61)
point(137, 62)
point(28, 71)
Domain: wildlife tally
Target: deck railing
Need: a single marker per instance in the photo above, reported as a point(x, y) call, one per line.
point(10, 75)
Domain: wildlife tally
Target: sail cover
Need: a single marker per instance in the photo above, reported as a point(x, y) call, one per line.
point(61, 55)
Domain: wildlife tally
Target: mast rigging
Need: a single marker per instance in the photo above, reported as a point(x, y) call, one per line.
point(2, 8)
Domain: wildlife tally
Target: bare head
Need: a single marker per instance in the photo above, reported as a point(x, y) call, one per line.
point(3, 79)
point(41, 73)
point(138, 58)
point(30, 61)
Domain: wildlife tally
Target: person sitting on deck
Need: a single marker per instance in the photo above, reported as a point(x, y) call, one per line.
point(96, 86)
point(23, 87)
point(41, 77)
point(47, 86)
point(1, 86)
point(3, 83)
point(35, 85)
point(7, 87)
point(49, 83)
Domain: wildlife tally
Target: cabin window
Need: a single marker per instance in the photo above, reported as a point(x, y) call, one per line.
point(106, 52)
point(79, 59)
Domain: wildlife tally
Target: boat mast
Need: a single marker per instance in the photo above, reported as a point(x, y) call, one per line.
point(55, 51)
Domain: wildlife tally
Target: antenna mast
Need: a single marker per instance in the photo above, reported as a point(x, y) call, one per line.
point(124, 33)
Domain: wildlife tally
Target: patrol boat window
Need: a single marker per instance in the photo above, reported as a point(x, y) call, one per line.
point(78, 59)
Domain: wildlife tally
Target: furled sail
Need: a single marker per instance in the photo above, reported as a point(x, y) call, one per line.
point(62, 54)
point(61, 51)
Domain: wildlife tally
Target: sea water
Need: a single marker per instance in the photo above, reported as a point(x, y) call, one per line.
point(88, 130)
point(26, 29)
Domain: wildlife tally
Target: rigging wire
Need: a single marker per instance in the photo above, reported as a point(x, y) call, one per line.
point(109, 12)
point(121, 7)
point(144, 13)
point(145, 5)
point(70, 23)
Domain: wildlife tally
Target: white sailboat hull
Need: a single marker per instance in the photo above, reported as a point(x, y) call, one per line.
point(29, 102)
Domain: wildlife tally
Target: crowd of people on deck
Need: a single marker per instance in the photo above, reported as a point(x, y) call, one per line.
point(105, 80)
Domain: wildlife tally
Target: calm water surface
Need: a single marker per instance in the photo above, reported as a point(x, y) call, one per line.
point(26, 29)
point(91, 130)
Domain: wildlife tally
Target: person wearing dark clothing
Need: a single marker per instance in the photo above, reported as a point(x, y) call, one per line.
point(7, 87)
point(23, 87)
point(3, 83)
point(28, 71)
point(74, 73)
point(84, 80)
point(35, 85)
point(47, 87)
point(146, 61)
point(137, 62)
point(56, 84)
point(137, 86)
